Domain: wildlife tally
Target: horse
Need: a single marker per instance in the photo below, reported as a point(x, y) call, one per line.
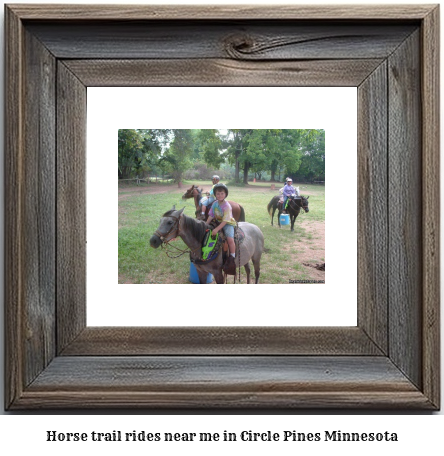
point(293, 208)
point(192, 231)
point(196, 193)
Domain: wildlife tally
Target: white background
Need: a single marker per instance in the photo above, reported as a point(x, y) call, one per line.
point(329, 304)
point(25, 434)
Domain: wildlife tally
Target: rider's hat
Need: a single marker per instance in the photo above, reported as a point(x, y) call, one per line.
point(220, 187)
point(289, 179)
point(215, 177)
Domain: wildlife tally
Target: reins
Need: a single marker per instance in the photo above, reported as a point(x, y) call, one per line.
point(300, 207)
point(166, 244)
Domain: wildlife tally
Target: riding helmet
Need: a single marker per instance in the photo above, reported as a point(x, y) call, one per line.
point(215, 177)
point(220, 187)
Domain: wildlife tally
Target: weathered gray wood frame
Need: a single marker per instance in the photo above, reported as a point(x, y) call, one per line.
point(390, 360)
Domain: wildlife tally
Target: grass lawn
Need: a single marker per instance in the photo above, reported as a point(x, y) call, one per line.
point(286, 254)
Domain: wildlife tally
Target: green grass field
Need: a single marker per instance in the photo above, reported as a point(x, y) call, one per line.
point(285, 252)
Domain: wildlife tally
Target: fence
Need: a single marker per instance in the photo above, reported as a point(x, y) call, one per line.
point(149, 180)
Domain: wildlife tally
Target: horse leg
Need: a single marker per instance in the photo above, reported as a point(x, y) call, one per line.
point(294, 220)
point(257, 267)
point(202, 277)
point(272, 215)
point(218, 277)
point(247, 270)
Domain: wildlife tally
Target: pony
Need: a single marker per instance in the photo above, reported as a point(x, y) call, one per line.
point(192, 231)
point(293, 208)
point(196, 193)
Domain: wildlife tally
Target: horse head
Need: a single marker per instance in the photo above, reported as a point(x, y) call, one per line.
point(168, 228)
point(189, 193)
point(304, 202)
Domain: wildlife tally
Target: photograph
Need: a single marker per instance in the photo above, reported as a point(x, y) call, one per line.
point(218, 206)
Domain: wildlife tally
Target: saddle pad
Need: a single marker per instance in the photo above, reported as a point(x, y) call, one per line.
point(239, 235)
point(208, 245)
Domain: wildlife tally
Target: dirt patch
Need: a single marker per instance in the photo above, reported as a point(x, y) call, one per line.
point(126, 192)
point(312, 251)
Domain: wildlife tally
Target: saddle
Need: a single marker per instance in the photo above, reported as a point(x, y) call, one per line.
point(296, 198)
point(211, 248)
point(207, 210)
point(229, 263)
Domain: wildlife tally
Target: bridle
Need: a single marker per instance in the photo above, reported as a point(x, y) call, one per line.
point(194, 193)
point(166, 244)
point(302, 206)
point(176, 226)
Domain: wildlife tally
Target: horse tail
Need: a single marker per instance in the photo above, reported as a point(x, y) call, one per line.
point(270, 206)
point(242, 214)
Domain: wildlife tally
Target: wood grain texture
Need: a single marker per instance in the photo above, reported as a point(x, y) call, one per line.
point(126, 341)
point(220, 12)
point(234, 382)
point(13, 210)
point(71, 206)
point(104, 367)
point(219, 72)
point(373, 198)
point(405, 210)
point(430, 94)
point(258, 40)
point(39, 235)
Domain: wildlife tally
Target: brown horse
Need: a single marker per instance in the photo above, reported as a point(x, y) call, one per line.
point(196, 193)
point(293, 208)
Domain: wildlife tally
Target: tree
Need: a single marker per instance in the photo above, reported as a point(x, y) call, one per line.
point(177, 159)
point(130, 151)
point(313, 155)
point(211, 146)
point(262, 150)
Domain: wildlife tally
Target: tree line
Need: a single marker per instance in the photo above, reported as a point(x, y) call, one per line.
point(275, 153)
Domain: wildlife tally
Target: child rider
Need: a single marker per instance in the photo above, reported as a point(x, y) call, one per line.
point(207, 200)
point(222, 212)
point(288, 191)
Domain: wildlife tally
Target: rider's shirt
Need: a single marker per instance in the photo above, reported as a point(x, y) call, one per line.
point(222, 212)
point(288, 190)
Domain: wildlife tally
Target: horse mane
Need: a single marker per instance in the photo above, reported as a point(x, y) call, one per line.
point(196, 227)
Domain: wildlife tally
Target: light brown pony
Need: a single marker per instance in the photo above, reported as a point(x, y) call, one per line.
point(196, 193)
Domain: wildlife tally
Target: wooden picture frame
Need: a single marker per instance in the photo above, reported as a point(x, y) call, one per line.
point(390, 360)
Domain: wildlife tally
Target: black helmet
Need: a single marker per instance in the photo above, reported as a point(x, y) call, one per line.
point(220, 187)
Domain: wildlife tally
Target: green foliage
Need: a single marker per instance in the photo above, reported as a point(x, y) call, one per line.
point(262, 150)
point(130, 152)
point(313, 158)
point(211, 145)
point(139, 151)
point(177, 159)
point(259, 152)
